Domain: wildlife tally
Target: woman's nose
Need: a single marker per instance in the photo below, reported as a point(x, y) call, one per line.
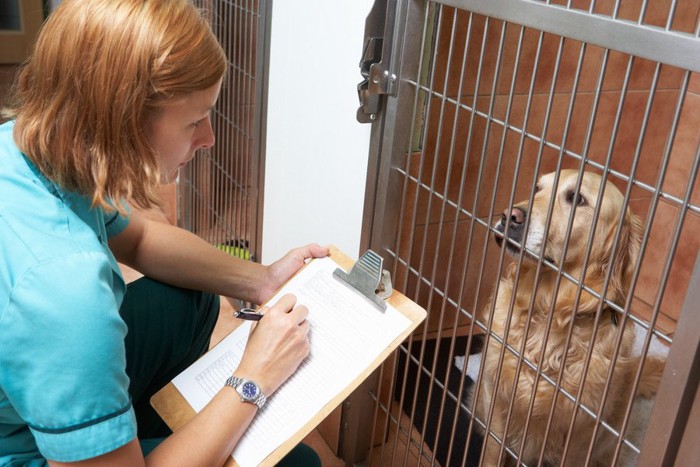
point(206, 136)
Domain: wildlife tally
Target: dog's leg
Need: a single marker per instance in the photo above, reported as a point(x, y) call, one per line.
point(493, 447)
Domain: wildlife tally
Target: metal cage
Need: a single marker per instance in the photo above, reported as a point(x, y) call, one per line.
point(471, 101)
point(219, 193)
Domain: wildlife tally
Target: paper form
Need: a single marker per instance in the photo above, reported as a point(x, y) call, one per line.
point(347, 333)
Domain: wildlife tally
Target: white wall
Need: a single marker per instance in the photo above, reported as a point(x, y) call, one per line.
point(316, 151)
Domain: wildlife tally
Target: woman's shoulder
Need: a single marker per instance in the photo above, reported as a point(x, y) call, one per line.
point(35, 214)
point(10, 155)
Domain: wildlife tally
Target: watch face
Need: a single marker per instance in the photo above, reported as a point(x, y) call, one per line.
point(249, 389)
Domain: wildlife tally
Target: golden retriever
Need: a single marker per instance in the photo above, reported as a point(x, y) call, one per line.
point(529, 325)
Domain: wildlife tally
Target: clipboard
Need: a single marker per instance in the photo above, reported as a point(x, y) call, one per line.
point(364, 275)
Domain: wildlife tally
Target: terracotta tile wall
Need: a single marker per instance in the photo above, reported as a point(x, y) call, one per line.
point(459, 153)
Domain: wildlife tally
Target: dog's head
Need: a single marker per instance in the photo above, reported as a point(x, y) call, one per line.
point(583, 201)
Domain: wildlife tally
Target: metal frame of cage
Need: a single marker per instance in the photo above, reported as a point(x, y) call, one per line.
point(220, 191)
point(404, 79)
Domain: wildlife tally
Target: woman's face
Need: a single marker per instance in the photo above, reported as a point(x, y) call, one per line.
point(180, 127)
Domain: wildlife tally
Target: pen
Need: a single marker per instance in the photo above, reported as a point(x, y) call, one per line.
point(248, 314)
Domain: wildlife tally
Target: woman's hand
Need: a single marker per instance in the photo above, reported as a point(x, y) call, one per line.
point(277, 345)
point(283, 269)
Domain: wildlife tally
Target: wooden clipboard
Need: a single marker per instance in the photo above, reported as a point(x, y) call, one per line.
point(171, 405)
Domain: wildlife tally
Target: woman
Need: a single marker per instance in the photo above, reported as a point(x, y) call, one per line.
point(114, 100)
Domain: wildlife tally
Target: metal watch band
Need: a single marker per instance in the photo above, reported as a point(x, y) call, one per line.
point(235, 381)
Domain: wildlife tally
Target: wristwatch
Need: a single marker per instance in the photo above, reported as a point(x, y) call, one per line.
point(247, 389)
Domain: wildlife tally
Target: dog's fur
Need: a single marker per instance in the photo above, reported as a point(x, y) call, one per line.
point(498, 381)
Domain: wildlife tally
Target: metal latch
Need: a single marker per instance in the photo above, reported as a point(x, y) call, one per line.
point(370, 102)
point(378, 80)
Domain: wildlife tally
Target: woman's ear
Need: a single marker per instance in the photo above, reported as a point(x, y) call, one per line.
point(627, 255)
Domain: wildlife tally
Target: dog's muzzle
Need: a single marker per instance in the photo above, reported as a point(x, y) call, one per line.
point(515, 219)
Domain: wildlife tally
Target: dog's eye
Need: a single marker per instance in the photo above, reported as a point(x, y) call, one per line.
point(538, 188)
point(571, 195)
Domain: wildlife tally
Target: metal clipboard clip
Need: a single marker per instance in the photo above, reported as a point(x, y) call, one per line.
point(368, 278)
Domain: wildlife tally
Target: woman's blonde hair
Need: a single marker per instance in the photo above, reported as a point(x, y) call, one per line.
point(99, 68)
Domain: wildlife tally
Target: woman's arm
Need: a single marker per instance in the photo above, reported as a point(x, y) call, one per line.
point(177, 257)
point(207, 440)
point(276, 347)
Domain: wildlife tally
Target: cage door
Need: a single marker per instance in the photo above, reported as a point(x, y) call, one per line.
point(488, 117)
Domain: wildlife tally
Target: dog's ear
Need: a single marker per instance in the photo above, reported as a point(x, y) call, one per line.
point(627, 255)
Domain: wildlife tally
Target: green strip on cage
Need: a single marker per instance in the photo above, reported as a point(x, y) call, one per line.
point(237, 248)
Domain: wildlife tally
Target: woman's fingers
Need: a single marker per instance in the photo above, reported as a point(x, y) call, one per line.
point(279, 272)
point(288, 304)
point(278, 343)
point(299, 314)
point(284, 304)
point(312, 250)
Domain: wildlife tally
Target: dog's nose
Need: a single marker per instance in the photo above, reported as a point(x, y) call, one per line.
point(517, 216)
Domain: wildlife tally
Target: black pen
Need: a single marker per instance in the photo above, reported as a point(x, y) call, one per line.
point(248, 314)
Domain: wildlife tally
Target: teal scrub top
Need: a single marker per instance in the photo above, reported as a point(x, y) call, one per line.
point(63, 384)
